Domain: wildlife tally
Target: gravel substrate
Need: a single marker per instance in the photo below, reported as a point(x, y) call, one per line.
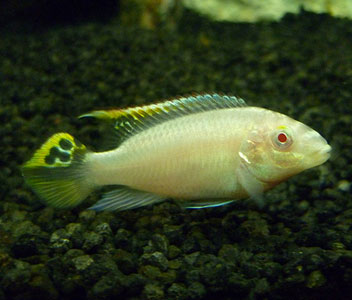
point(298, 246)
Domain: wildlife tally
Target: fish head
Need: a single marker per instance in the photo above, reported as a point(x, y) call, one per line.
point(280, 147)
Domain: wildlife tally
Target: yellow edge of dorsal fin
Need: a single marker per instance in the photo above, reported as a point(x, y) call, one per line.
point(132, 120)
point(187, 105)
point(103, 114)
point(135, 112)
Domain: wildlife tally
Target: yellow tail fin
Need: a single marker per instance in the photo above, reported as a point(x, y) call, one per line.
point(56, 171)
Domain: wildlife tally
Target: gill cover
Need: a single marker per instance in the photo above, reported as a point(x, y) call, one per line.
point(268, 155)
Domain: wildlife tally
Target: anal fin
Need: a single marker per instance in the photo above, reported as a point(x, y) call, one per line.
point(125, 198)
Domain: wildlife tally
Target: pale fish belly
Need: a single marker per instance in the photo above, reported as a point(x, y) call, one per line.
point(190, 157)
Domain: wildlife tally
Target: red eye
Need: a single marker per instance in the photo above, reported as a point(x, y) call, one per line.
point(282, 137)
point(282, 140)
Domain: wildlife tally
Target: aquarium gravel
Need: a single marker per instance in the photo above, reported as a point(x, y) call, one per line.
point(298, 245)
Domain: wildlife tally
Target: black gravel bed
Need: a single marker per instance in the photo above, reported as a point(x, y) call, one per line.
point(298, 246)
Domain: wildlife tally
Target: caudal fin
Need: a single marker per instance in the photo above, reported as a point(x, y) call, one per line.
point(57, 173)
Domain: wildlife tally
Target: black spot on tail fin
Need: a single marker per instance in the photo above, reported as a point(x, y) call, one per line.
point(57, 172)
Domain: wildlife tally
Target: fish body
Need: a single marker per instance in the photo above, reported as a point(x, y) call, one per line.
point(204, 150)
point(168, 160)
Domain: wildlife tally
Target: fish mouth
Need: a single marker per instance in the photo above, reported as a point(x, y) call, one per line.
point(325, 150)
point(322, 155)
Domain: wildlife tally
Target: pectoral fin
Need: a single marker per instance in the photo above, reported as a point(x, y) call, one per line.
point(252, 185)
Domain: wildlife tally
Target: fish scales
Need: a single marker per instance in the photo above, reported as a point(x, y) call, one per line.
point(188, 156)
point(205, 150)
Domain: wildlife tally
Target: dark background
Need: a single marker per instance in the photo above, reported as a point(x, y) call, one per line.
point(61, 59)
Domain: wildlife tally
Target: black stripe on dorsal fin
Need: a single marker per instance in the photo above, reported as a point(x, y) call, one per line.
point(132, 120)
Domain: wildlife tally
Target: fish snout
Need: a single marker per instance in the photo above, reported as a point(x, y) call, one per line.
point(321, 152)
point(325, 152)
point(315, 148)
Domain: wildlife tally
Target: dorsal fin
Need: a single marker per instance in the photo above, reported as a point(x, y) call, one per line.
point(132, 120)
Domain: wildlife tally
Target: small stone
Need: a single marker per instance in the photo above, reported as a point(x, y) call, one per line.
point(91, 240)
point(87, 216)
point(104, 230)
point(238, 282)
point(262, 286)
point(177, 291)
point(338, 246)
point(75, 233)
point(155, 259)
point(175, 264)
point(125, 261)
point(191, 259)
point(174, 252)
point(46, 216)
point(191, 244)
point(192, 275)
point(133, 284)
point(196, 290)
point(229, 253)
point(123, 239)
point(153, 292)
point(72, 253)
point(160, 243)
point(17, 278)
point(315, 279)
point(344, 185)
point(42, 285)
point(107, 286)
point(173, 233)
point(25, 227)
point(74, 228)
point(82, 262)
point(18, 216)
point(59, 241)
point(167, 277)
point(213, 271)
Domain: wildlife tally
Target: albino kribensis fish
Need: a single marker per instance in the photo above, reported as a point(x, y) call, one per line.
point(203, 151)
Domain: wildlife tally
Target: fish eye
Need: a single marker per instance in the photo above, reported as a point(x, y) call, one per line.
point(281, 140)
